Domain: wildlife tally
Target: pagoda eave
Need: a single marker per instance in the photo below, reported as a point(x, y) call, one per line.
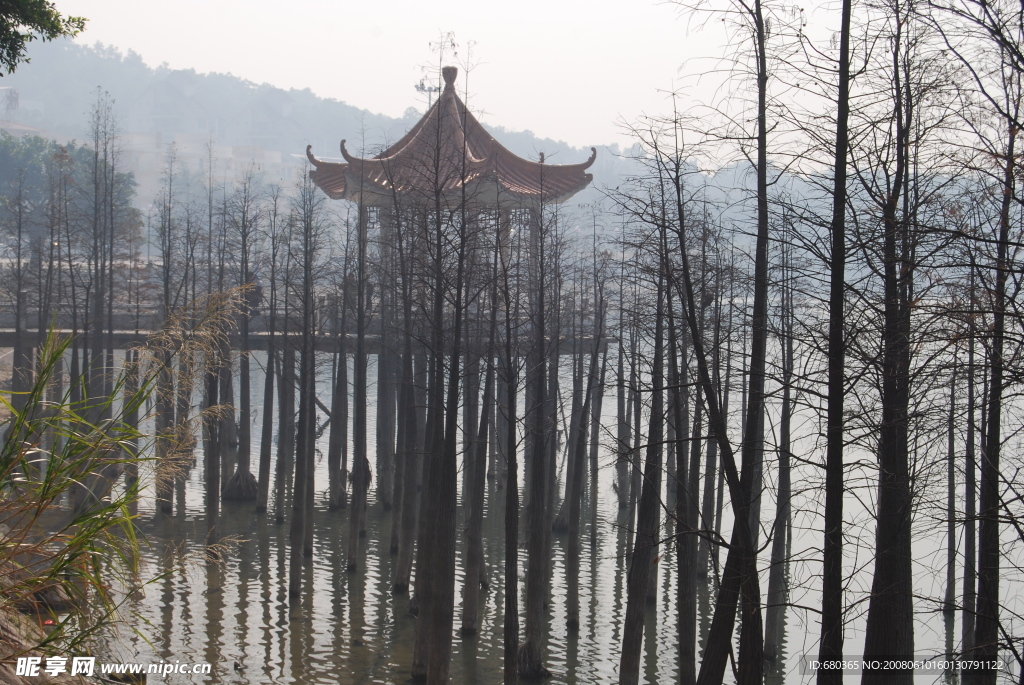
point(373, 188)
point(482, 194)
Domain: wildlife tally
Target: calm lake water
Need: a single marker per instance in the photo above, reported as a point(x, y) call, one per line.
point(349, 628)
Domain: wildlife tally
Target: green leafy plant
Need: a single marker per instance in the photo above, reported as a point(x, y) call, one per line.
point(66, 532)
point(22, 21)
point(69, 546)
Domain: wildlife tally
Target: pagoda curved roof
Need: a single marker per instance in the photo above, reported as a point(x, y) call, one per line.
point(448, 151)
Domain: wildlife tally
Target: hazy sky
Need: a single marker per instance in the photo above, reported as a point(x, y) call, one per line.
point(564, 69)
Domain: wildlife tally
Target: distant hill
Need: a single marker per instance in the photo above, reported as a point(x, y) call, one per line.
point(58, 86)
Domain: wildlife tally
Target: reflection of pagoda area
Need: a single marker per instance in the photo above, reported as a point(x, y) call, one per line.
point(446, 168)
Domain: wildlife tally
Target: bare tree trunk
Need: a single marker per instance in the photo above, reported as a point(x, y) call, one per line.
point(211, 456)
point(719, 497)
point(739, 574)
point(685, 542)
point(339, 426)
point(778, 575)
point(530, 657)
point(343, 428)
point(426, 531)
point(286, 432)
point(987, 627)
point(711, 471)
point(434, 500)
point(831, 643)
point(949, 601)
point(511, 627)
point(242, 486)
point(646, 541)
point(399, 458)
point(440, 612)
point(228, 427)
point(890, 622)
point(183, 442)
point(624, 439)
point(578, 450)
point(474, 571)
point(386, 368)
point(634, 458)
point(510, 384)
point(297, 527)
point(470, 410)
point(360, 464)
point(409, 451)
point(386, 407)
point(970, 490)
point(561, 521)
point(266, 435)
point(131, 418)
point(595, 443)
point(301, 531)
point(164, 422)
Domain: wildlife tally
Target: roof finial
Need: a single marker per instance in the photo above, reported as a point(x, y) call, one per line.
point(449, 74)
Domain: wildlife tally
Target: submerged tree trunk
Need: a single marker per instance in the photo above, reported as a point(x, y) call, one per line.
point(243, 486)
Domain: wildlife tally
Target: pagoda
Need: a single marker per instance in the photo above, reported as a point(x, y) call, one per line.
point(449, 156)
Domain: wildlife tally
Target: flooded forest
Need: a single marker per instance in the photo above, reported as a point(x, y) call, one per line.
point(749, 414)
